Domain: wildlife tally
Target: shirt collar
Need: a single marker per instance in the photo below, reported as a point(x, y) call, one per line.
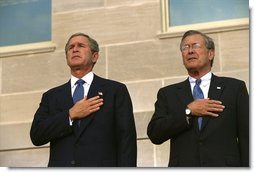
point(206, 78)
point(88, 78)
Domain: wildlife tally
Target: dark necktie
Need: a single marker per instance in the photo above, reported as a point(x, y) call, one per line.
point(78, 95)
point(198, 94)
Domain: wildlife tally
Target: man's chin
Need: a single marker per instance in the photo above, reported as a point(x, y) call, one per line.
point(191, 67)
point(76, 66)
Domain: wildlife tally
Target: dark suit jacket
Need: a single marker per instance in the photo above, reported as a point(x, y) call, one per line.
point(105, 138)
point(222, 141)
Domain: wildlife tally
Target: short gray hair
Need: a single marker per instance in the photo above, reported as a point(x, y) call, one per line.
point(93, 43)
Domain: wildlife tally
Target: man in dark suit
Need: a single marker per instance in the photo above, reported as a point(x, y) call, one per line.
point(94, 130)
point(208, 122)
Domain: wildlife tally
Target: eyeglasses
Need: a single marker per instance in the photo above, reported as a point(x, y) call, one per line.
point(194, 46)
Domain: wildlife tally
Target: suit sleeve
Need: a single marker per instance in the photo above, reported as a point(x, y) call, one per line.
point(125, 129)
point(49, 124)
point(168, 120)
point(243, 124)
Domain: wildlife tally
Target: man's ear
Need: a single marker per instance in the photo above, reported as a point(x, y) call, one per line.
point(211, 54)
point(95, 57)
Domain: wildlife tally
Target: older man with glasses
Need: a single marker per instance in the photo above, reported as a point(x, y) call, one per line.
point(206, 117)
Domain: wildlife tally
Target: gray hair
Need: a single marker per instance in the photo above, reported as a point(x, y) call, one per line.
point(92, 43)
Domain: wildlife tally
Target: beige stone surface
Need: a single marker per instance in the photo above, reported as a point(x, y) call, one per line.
point(128, 2)
point(15, 136)
point(141, 120)
point(1, 76)
point(67, 5)
point(143, 94)
point(145, 60)
point(145, 153)
point(234, 48)
point(18, 108)
point(24, 158)
point(34, 72)
point(109, 25)
point(151, 155)
point(162, 154)
point(100, 67)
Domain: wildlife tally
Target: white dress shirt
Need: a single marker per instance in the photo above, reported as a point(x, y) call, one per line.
point(205, 83)
point(88, 78)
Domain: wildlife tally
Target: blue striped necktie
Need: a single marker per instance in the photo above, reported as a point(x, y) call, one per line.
point(78, 95)
point(198, 94)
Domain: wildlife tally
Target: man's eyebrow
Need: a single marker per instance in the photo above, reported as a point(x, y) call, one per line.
point(79, 43)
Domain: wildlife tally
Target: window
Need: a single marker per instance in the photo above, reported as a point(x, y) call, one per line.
point(24, 22)
point(177, 15)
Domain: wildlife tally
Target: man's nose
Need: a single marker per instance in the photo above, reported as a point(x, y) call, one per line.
point(75, 48)
point(190, 50)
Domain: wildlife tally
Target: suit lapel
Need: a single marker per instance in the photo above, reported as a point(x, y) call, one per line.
point(184, 92)
point(216, 88)
point(65, 97)
point(95, 87)
point(185, 95)
point(93, 91)
point(215, 91)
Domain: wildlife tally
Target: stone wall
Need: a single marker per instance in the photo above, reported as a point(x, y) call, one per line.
point(131, 52)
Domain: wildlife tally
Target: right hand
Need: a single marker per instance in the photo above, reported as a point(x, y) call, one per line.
point(85, 107)
point(206, 107)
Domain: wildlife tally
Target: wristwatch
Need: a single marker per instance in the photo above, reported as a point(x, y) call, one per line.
point(188, 115)
point(188, 112)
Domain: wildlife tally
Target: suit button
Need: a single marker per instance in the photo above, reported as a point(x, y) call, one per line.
point(73, 162)
point(200, 143)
